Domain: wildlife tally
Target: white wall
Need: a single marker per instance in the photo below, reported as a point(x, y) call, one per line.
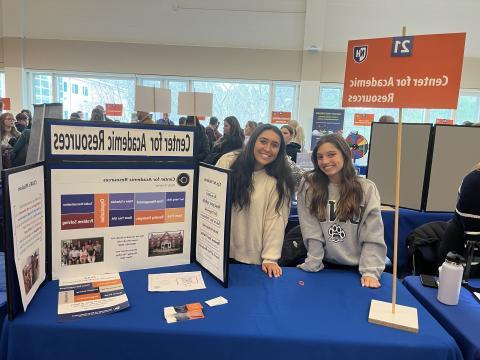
point(261, 24)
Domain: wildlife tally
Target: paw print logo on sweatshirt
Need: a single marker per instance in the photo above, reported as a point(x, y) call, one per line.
point(336, 233)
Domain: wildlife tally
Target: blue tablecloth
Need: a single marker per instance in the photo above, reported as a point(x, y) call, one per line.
point(408, 221)
point(265, 318)
point(461, 321)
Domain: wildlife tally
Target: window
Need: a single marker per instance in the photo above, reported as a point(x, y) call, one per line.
point(246, 101)
point(468, 108)
point(285, 98)
point(65, 86)
point(75, 88)
point(42, 88)
point(98, 91)
point(175, 87)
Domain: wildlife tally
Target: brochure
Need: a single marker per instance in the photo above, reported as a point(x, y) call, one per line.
point(91, 295)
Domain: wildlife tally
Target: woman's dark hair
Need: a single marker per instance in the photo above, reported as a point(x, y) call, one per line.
point(28, 113)
point(235, 132)
point(192, 121)
point(244, 166)
point(21, 117)
point(351, 193)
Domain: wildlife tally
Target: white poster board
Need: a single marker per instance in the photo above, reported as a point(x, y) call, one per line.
point(195, 103)
point(112, 220)
point(213, 221)
point(414, 164)
point(27, 205)
point(455, 152)
point(150, 99)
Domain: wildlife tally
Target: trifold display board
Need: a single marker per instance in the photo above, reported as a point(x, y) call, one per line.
point(454, 153)
point(416, 141)
point(123, 197)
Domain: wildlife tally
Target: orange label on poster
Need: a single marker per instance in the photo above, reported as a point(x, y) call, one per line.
point(114, 109)
point(420, 71)
point(281, 117)
point(6, 104)
point(101, 210)
point(444, 122)
point(363, 119)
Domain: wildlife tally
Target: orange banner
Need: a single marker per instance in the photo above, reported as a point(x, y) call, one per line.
point(281, 117)
point(420, 71)
point(444, 122)
point(114, 109)
point(363, 119)
point(6, 104)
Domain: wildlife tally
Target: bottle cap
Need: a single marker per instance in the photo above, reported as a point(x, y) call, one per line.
point(455, 258)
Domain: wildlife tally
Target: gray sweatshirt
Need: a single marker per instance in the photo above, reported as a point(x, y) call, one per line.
point(355, 242)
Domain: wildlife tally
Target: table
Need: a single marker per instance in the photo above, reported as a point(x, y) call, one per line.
point(265, 318)
point(409, 220)
point(461, 321)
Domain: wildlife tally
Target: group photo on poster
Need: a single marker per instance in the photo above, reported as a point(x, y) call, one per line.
point(119, 219)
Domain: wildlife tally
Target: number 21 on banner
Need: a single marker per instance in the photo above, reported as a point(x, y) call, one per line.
point(402, 46)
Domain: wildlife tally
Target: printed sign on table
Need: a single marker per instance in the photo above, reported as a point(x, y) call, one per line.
point(444, 122)
point(114, 109)
point(6, 104)
point(363, 119)
point(281, 117)
point(422, 71)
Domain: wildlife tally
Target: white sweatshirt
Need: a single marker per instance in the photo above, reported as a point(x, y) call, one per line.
point(257, 232)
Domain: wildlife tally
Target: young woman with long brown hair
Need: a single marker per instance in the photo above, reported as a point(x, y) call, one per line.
point(340, 215)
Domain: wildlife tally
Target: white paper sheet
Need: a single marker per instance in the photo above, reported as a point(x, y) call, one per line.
point(220, 300)
point(182, 281)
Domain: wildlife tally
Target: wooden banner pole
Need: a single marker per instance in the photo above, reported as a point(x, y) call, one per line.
point(397, 202)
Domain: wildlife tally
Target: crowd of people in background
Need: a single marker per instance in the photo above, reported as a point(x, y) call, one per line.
point(334, 203)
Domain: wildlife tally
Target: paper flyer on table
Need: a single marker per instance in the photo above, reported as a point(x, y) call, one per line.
point(91, 295)
point(182, 281)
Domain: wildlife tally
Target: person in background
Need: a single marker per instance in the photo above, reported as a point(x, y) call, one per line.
point(19, 151)
point(28, 113)
point(102, 110)
point(339, 214)
point(292, 148)
point(231, 140)
point(9, 134)
point(182, 120)
point(465, 219)
point(145, 118)
point(212, 131)
point(386, 119)
point(75, 116)
point(80, 114)
point(201, 138)
point(165, 120)
point(299, 137)
point(1, 106)
point(22, 122)
point(97, 115)
point(262, 189)
point(250, 126)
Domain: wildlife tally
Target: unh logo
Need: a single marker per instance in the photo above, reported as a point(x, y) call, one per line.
point(360, 53)
point(336, 233)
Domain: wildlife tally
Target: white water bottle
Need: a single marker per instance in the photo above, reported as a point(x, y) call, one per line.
point(450, 279)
